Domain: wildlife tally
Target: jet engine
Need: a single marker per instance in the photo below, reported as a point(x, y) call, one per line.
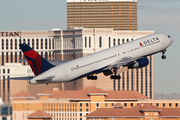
point(139, 63)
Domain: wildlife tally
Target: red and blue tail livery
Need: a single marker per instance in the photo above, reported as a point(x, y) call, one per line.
point(38, 64)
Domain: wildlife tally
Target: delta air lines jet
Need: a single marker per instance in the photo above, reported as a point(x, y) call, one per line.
point(132, 55)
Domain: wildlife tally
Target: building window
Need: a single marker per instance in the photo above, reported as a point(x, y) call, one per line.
point(7, 57)
point(46, 43)
point(32, 43)
point(24, 41)
point(11, 44)
point(80, 114)
point(89, 41)
point(176, 104)
point(157, 104)
point(87, 110)
point(4, 71)
point(118, 41)
point(7, 44)
point(49, 55)
point(97, 104)
point(100, 42)
point(46, 55)
point(41, 43)
point(2, 44)
point(49, 43)
point(114, 42)
point(87, 104)
point(15, 57)
point(163, 104)
point(123, 41)
point(106, 104)
point(80, 105)
point(112, 104)
point(52, 43)
point(37, 44)
point(127, 40)
point(19, 41)
point(15, 43)
point(125, 104)
point(109, 42)
point(169, 104)
point(12, 57)
point(131, 104)
point(28, 41)
point(2, 58)
point(85, 42)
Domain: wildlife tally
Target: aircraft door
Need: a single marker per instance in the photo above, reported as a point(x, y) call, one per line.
point(66, 72)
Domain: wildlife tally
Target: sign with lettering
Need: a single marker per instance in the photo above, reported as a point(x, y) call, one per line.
point(10, 34)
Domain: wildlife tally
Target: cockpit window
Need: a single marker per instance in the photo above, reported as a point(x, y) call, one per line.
point(168, 36)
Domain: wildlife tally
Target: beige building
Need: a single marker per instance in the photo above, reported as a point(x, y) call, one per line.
point(117, 14)
point(88, 104)
point(67, 45)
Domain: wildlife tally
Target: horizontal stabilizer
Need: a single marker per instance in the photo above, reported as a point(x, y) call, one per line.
point(20, 78)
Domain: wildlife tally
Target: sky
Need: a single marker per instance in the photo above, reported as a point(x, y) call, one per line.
point(161, 16)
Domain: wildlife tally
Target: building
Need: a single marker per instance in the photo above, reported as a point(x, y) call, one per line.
point(75, 105)
point(69, 104)
point(141, 111)
point(117, 14)
point(67, 45)
point(39, 115)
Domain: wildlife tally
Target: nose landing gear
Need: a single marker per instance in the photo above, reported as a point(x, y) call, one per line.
point(163, 54)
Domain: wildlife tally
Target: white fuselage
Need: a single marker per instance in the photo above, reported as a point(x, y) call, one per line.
point(97, 62)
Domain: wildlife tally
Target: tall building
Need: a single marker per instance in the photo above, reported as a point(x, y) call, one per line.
point(117, 14)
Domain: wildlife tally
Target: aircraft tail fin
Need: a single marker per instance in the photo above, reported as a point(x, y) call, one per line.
point(37, 63)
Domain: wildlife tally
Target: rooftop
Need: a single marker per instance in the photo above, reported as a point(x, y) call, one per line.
point(39, 114)
point(87, 92)
point(137, 111)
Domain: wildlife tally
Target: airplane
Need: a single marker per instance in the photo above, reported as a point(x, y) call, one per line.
point(132, 54)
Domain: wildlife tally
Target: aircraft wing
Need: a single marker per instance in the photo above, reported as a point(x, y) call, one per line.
point(20, 78)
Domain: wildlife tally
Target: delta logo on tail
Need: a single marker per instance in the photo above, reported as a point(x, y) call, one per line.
point(37, 63)
point(149, 42)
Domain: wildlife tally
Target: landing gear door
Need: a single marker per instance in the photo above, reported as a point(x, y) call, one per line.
point(66, 72)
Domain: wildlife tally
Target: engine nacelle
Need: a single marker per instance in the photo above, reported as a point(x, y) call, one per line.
point(139, 63)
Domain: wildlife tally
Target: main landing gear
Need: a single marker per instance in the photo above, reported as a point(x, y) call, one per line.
point(91, 77)
point(163, 54)
point(115, 76)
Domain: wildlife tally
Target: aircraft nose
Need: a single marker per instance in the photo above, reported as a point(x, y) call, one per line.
point(171, 40)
